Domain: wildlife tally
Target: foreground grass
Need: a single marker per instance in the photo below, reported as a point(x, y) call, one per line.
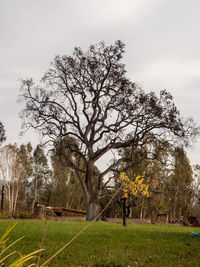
point(109, 244)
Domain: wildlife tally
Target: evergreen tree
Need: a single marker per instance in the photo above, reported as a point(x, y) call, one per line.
point(196, 188)
point(40, 178)
point(25, 158)
point(66, 189)
point(181, 181)
point(12, 173)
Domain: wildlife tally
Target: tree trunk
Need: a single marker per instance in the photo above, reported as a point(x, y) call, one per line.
point(12, 198)
point(142, 209)
point(124, 211)
point(92, 208)
point(93, 195)
point(35, 193)
point(174, 209)
point(9, 196)
point(2, 197)
point(131, 212)
point(15, 197)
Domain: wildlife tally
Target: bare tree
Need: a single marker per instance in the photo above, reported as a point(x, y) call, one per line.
point(11, 170)
point(2, 133)
point(88, 96)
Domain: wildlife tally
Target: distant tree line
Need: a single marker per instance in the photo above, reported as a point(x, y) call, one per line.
point(30, 177)
point(174, 187)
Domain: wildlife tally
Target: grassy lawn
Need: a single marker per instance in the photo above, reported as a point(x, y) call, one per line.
point(109, 244)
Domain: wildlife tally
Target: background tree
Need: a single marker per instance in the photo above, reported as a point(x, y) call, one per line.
point(131, 188)
point(12, 173)
point(87, 96)
point(2, 133)
point(142, 162)
point(171, 184)
point(40, 175)
point(66, 189)
point(196, 187)
point(25, 159)
point(2, 138)
point(181, 180)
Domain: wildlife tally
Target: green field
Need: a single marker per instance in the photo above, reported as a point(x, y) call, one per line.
point(109, 244)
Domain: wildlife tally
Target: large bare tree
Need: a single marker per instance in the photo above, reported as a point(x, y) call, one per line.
point(87, 96)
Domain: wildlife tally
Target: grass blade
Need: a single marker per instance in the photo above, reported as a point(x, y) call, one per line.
point(9, 229)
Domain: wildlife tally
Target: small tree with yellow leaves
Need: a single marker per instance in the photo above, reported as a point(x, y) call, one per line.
point(132, 187)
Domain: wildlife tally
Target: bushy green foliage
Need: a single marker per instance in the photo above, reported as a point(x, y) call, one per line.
point(23, 215)
point(5, 215)
point(16, 215)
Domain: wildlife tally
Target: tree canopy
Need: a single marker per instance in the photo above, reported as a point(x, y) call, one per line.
point(87, 96)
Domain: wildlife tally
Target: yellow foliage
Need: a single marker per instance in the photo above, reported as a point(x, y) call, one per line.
point(136, 186)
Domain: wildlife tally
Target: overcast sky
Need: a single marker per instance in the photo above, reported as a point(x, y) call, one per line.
point(162, 47)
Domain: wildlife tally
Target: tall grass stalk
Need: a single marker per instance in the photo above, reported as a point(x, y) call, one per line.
point(43, 238)
point(19, 262)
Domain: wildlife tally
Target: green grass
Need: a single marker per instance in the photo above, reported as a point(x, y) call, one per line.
point(109, 244)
